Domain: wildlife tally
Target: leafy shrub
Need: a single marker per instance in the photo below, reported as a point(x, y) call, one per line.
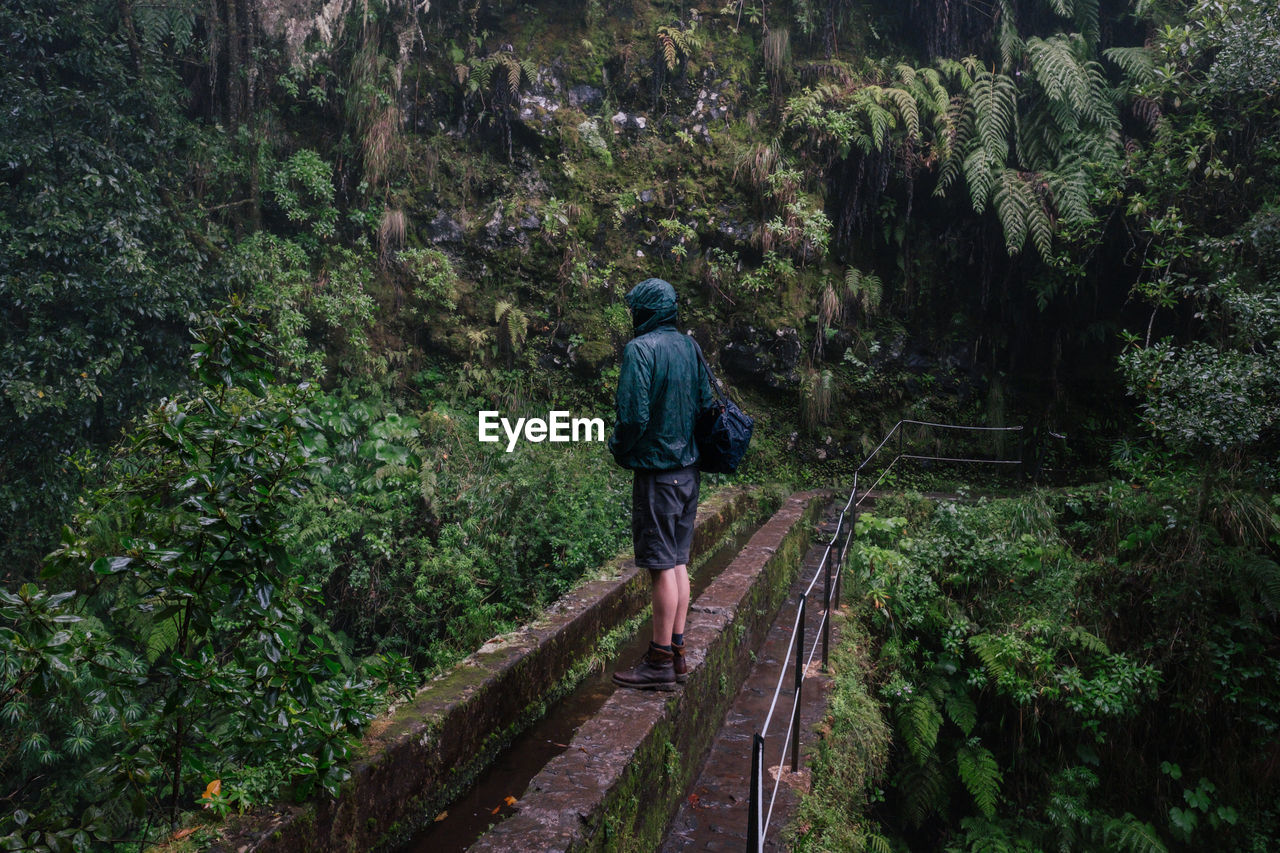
point(175, 645)
point(427, 542)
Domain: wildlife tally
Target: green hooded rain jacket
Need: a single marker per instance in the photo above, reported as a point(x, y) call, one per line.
point(662, 387)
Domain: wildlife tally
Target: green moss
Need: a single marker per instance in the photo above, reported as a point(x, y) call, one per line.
point(850, 755)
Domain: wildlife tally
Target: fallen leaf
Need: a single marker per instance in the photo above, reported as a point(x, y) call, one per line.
point(496, 809)
point(213, 790)
point(511, 801)
point(183, 833)
point(441, 816)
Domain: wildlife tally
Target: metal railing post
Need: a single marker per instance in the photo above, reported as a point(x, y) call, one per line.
point(826, 612)
point(853, 532)
point(795, 716)
point(755, 839)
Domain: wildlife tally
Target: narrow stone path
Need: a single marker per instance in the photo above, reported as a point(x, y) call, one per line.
point(714, 815)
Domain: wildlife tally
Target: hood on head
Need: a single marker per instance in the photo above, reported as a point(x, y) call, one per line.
point(653, 304)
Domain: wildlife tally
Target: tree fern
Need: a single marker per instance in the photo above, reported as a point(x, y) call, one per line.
point(980, 774)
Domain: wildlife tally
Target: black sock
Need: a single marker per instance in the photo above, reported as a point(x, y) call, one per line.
point(677, 639)
point(656, 646)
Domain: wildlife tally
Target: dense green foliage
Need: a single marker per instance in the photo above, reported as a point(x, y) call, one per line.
point(182, 647)
point(1080, 670)
point(102, 263)
point(426, 543)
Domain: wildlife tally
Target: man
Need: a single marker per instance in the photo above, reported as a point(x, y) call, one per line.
point(661, 390)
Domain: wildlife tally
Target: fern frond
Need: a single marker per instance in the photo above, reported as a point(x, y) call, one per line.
point(1087, 20)
point(1086, 640)
point(1072, 191)
point(1129, 833)
point(1056, 69)
point(1137, 62)
point(962, 710)
point(1021, 213)
point(961, 70)
point(918, 722)
point(926, 791)
point(386, 472)
point(987, 648)
point(163, 637)
point(674, 45)
point(864, 289)
point(981, 776)
point(1257, 576)
point(427, 484)
point(980, 171)
point(514, 72)
point(994, 103)
point(877, 844)
point(1012, 47)
point(907, 109)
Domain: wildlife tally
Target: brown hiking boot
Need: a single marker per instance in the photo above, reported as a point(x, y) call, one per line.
point(678, 664)
point(654, 672)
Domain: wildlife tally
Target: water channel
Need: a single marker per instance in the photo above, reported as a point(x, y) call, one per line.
point(486, 803)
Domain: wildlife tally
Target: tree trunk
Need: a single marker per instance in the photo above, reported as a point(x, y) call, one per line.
point(234, 99)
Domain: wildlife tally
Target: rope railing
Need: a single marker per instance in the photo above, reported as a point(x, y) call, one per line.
point(832, 570)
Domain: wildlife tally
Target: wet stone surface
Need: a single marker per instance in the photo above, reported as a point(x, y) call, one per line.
point(623, 771)
point(714, 815)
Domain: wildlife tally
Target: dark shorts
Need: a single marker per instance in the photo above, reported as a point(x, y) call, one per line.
point(663, 506)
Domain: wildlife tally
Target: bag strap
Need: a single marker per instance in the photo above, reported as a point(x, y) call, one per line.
point(711, 379)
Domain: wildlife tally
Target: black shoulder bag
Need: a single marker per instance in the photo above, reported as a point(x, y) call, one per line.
point(722, 431)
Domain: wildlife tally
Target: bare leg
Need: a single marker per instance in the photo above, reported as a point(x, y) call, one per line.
point(666, 600)
point(682, 600)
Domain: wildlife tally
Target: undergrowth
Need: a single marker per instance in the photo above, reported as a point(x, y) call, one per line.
point(1083, 669)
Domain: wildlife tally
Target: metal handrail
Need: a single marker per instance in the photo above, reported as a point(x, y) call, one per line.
point(758, 820)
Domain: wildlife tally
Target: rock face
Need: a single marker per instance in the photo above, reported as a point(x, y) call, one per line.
point(770, 359)
point(560, 351)
point(586, 98)
point(294, 21)
point(444, 229)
